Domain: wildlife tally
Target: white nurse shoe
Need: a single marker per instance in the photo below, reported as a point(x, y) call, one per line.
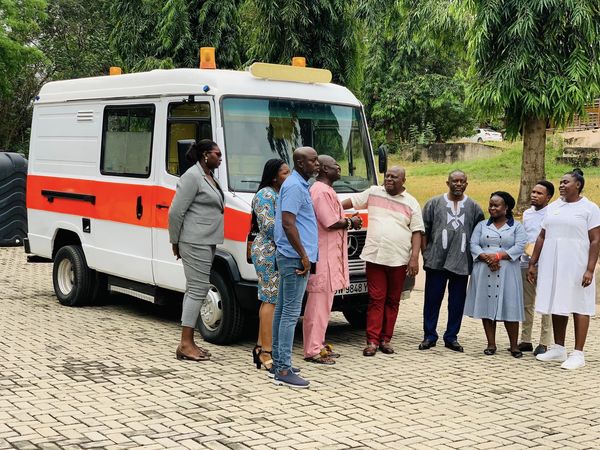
point(554, 353)
point(576, 360)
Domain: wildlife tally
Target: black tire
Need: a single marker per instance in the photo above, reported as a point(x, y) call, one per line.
point(357, 317)
point(74, 282)
point(221, 319)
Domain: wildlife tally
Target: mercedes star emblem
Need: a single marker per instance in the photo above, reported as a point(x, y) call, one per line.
point(352, 245)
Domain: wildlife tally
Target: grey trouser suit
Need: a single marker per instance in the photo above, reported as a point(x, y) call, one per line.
point(196, 225)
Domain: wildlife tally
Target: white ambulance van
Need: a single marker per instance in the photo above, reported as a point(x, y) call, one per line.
point(106, 154)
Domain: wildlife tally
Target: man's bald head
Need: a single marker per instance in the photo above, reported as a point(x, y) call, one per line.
point(301, 153)
point(329, 169)
point(326, 161)
point(306, 161)
point(394, 180)
point(398, 171)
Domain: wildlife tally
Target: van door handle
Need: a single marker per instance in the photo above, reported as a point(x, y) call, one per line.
point(162, 206)
point(139, 208)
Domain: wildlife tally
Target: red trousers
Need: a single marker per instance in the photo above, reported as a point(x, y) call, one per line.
point(385, 288)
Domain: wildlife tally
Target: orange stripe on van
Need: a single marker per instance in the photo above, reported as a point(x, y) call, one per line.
point(118, 202)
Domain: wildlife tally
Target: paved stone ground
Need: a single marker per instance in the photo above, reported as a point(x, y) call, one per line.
point(106, 377)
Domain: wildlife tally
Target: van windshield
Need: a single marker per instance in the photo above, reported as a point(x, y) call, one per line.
point(260, 129)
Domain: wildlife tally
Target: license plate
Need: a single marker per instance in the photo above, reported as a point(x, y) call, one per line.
point(359, 287)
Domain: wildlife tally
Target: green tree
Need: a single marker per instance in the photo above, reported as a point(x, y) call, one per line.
point(18, 26)
point(324, 32)
point(415, 72)
point(150, 34)
point(73, 37)
point(134, 36)
point(218, 25)
point(18, 59)
point(536, 62)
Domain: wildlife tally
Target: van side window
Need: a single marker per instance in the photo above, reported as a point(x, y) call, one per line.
point(127, 140)
point(186, 123)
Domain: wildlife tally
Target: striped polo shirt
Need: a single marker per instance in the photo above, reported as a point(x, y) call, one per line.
point(392, 221)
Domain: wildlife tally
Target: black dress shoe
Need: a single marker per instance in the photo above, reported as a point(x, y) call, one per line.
point(426, 344)
point(490, 351)
point(454, 346)
point(525, 347)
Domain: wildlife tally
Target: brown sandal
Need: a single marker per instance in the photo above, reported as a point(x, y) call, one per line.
point(370, 349)
point(321, 358)
point(386, 348)
point(329, 349)
point(183, 357)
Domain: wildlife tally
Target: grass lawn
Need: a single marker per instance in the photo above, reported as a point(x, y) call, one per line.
point(424, 180)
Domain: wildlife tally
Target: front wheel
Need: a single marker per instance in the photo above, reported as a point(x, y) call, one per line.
point(221, 319)
point(72, 278)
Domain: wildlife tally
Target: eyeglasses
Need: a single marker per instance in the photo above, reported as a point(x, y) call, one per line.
point(219, 154)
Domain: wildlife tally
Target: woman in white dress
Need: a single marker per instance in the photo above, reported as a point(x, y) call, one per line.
point(567, 250)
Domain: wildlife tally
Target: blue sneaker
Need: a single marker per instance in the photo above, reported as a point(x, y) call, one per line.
point(292, 380)
point(271, 371)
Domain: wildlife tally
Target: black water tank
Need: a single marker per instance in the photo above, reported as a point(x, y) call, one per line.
point(13, 213)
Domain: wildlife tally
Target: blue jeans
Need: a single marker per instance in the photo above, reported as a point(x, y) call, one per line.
point(435, 286)
point(287, 310)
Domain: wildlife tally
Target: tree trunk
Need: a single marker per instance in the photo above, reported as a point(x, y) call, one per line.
point(532, 165)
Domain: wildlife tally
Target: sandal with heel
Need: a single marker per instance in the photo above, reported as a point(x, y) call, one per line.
point(266, 363)
point(255, 351)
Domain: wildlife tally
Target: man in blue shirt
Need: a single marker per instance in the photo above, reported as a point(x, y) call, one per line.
point(297, 247)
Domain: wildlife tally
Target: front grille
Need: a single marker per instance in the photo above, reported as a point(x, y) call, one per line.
point(356, 242)
point(356, 267)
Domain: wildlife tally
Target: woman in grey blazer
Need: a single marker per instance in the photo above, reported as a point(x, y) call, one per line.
point(195, 229)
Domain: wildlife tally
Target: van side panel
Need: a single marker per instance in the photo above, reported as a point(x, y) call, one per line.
point(112, 215)
point(66, 140)
point(62, 144)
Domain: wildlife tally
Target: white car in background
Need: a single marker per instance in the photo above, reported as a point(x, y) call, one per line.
point(485, 134)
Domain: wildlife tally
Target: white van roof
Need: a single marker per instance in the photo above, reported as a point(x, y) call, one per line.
point(162, 83)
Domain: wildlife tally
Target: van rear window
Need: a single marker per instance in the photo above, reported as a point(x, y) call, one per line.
point(127, 140)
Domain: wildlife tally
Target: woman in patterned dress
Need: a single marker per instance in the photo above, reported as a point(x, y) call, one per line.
point(263, 255)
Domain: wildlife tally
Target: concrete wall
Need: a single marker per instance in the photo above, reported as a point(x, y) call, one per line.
point(580, 156)
point(450, 153)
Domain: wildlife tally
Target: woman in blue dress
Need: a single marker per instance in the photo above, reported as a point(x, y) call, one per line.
point(263, 255)
point(495, 292)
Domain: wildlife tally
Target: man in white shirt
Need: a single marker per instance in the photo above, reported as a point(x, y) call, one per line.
point(391, 252)
point(541, 195)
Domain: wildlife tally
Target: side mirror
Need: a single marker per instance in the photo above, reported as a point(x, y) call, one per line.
point(383, 159)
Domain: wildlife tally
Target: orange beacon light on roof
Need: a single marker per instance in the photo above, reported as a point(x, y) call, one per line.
point(299, 61)
point(207, 58)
